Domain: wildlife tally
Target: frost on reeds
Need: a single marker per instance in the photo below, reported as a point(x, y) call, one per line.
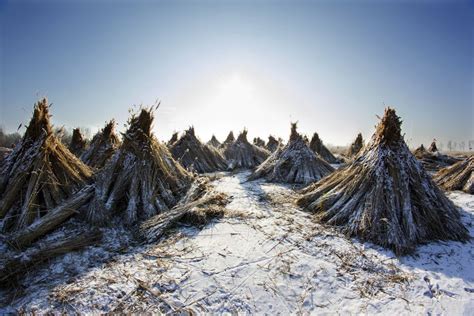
point(141, 179)
point(293, 163)
point(196, 156)
point(433, 161)
point(37, 178)
point(459, 176)
point(385, 196)
point(242, 154)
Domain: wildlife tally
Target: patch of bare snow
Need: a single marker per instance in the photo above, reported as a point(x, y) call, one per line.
point(265, 256)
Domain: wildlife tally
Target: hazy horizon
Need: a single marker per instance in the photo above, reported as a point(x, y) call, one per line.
point(221, 66)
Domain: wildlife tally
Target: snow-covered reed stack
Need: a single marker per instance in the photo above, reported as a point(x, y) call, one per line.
point(257, 141)
point(272, 144)
point(141, 179)
point(294, 163)
point(316, 145)
point(214, 142)
point(242, 154)
point(102, 147)
point(196, 156)
point(78, 143)
point(40, 174)
point(385, 196)
point(459, 176)
point(433, 161)
point(356, 146)
point(228, 141)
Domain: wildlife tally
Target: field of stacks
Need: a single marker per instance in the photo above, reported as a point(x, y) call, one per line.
point(126, 223)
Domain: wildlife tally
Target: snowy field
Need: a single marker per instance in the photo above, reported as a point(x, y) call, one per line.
point(265, 256)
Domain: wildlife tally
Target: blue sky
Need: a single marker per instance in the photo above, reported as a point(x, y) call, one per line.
point(331, 65)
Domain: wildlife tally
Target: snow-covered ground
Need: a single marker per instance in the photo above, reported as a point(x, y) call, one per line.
point(265, 256)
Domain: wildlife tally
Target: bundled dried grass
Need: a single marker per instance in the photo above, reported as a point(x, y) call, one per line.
point(14, 269)
point(433, 161)
point(78, 143)
point(385, 196)
point(356, 146)
point(459, 176)
point(242, 154)
point(38, 175)
point(200, 205)
point(228, 141)
point(102, 147)
point(196, 156)
point(318, 147)
point(257, 141)
point(272, 144)
point(214, 142)
point(294, 163)
point(140, 180)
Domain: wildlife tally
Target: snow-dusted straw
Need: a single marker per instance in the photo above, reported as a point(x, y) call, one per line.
point(141, 179)
point(196, 156)
point(242, 154)
point(459, 176)
point(293, 163)
point(38, 175)
point(385, 196)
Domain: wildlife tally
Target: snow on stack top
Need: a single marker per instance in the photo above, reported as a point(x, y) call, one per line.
point(102, 147)
point(196, 156)
point(39, 174)
point(242, 154)
point(141, 179)
point(459, 176)
point(385, 196)
point(318, 147)
point(294, 163)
